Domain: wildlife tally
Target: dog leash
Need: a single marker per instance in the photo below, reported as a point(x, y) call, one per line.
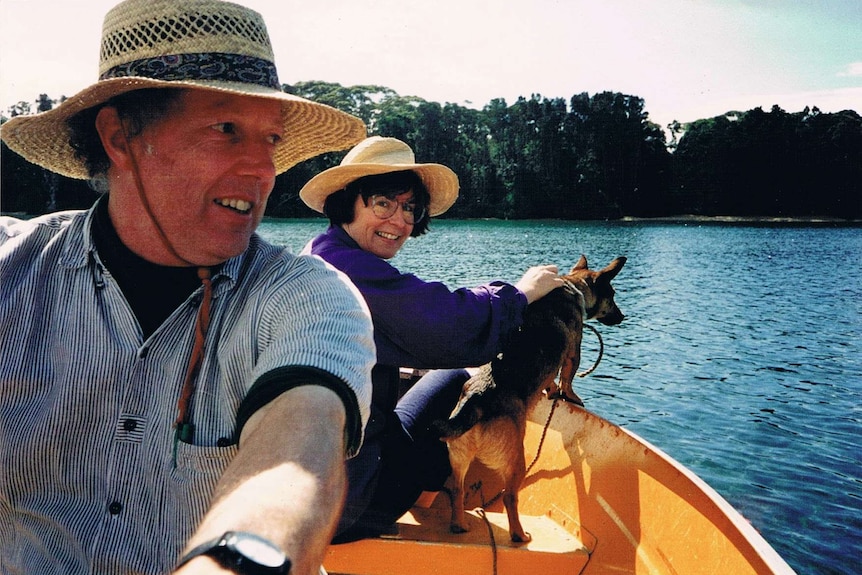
point(556, 399)
point(601, 352)
point(577, 400)
point(594, 330)
point(480, 511)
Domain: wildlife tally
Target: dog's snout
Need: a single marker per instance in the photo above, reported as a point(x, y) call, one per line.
point(613, 318)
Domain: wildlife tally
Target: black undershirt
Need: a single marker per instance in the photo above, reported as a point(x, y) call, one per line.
point(153, 291)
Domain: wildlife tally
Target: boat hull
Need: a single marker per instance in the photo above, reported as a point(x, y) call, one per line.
point(598, 499)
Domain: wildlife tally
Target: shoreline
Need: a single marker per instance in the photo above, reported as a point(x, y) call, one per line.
point(691, 218)
point(678, 219)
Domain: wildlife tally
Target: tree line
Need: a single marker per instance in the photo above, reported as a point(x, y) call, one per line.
point(588, 157)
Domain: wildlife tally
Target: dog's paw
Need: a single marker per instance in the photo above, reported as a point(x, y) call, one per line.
point(570, 398)
point(455, 528)
point(521, 537)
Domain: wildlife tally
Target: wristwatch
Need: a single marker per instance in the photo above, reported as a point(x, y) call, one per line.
point(243, 553)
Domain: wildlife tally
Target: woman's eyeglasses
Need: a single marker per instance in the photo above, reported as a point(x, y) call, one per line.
point(384, 208)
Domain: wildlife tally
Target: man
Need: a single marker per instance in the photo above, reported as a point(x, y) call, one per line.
point(175, 393)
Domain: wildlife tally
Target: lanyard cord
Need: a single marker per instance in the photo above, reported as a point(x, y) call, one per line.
point(184, 427)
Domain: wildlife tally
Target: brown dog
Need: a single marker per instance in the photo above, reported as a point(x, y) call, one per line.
point(490, 419)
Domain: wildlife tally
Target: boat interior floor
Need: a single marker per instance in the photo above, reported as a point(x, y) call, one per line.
point(425, 546)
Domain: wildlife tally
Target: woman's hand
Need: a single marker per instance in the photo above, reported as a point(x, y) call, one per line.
point(538, 281)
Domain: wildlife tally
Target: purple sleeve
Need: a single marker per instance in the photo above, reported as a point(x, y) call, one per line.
point(425, 324)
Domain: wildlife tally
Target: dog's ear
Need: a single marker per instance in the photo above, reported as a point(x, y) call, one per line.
point(613, 269)
point(581, 265)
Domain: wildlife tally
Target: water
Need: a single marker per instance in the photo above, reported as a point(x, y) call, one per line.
point(740, 355)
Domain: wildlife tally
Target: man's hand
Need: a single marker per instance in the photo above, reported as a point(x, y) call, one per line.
point(538, 281)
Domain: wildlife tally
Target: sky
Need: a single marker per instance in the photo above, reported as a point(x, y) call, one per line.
point(688, 59)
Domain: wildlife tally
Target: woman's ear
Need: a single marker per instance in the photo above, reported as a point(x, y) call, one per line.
point(109, 125)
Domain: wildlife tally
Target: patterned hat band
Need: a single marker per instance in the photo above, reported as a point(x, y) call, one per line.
point(195, 44)
point(202, 66)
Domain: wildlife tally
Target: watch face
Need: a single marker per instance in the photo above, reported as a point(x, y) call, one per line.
point(256, 549)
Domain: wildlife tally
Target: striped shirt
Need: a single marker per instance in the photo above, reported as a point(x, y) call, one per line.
point(89, 479)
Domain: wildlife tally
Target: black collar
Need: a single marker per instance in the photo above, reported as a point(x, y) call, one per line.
point(153, 291)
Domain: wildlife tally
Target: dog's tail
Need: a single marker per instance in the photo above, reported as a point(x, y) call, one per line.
point(465, 415)
point(477, 392)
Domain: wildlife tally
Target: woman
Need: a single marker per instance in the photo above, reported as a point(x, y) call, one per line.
point(376, 199)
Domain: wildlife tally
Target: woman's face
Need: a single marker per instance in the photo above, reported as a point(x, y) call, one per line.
point(381, 237)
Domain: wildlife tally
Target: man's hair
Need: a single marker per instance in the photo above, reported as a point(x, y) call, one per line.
point(339, 206)
point(137, 110)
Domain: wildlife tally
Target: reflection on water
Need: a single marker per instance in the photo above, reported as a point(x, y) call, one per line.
point(740, 355)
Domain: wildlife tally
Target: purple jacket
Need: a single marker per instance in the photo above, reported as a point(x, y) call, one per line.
point(424, 324)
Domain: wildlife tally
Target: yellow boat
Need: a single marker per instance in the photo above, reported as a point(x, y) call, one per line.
point(597, 500)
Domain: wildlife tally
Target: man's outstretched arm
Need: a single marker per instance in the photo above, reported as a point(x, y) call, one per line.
point(287, 482)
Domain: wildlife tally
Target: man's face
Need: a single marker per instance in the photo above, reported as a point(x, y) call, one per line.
point(207, 171)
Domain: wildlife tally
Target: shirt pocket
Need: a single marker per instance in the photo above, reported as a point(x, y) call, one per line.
point(198, 462)
point(186, 497)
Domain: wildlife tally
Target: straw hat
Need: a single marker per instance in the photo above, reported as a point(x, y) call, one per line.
point(378, 155)
point(202, 44)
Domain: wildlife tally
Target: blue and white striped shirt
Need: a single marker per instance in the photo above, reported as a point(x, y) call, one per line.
point(88, 481)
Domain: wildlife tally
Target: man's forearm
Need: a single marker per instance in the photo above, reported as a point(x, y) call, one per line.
point(287, 482)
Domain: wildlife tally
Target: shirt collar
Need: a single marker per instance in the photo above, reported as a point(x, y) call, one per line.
point(78, 244)
point(79, 248)
point(339, 234)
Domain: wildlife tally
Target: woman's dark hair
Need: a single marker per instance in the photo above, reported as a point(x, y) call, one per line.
point(339, 205)
point(137, 109)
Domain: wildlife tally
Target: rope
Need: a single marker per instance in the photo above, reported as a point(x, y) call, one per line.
point(481, 510)
point(185, 428)
point(542, 438)
point(556, 398)
point(491, 501)
point(482, 514)
point(139, 186)
point(601, 352)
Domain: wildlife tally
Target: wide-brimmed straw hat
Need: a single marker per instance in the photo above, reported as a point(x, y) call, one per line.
point(201, 44)
point(378, 155)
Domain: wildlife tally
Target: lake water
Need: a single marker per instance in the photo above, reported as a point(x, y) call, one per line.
point(740, 355)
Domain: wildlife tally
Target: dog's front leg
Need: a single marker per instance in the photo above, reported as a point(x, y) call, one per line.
point(569, 370)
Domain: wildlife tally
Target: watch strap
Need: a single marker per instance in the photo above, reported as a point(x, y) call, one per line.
point(198, 551)
point(223, 551)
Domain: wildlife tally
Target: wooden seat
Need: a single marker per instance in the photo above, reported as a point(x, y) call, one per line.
point(424, 546)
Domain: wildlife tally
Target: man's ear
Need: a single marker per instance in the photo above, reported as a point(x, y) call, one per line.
point(113, 136)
